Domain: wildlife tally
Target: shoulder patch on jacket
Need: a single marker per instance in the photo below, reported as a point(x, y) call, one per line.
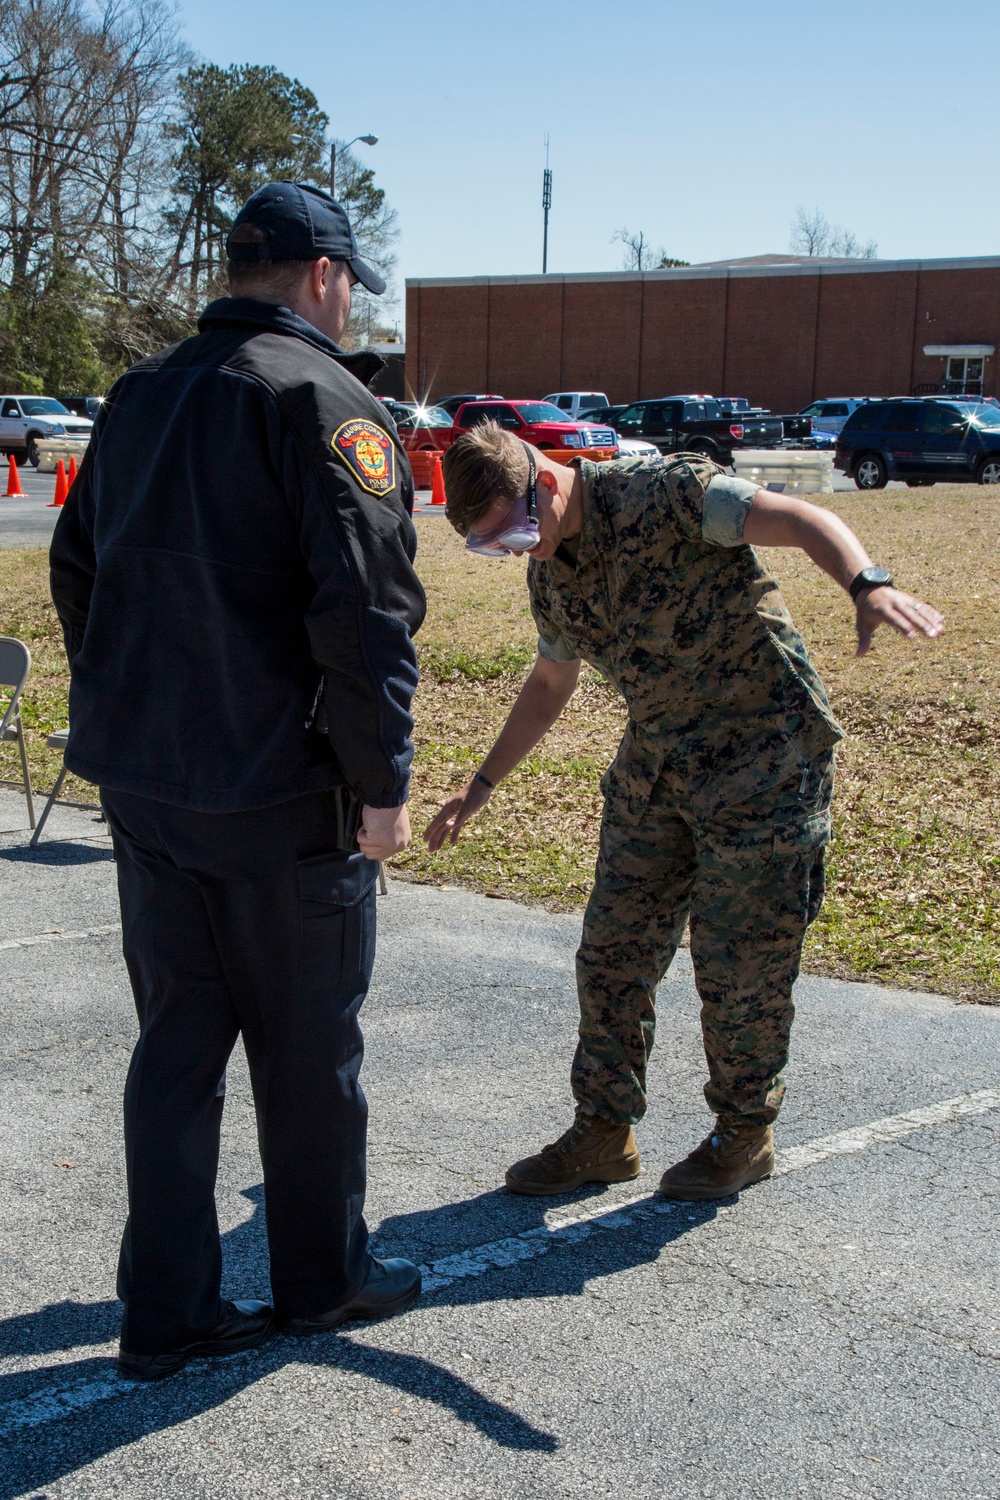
point(368, 453)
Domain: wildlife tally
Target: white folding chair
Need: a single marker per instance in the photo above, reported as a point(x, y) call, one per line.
point(15, 664)
point(57, 740)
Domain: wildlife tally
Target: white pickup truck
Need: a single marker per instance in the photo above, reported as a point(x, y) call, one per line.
point(30, 425)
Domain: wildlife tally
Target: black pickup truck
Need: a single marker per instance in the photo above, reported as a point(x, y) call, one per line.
point(795, 428)
point(697, 424)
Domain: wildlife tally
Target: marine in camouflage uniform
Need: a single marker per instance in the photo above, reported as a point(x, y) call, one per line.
point(717, 803)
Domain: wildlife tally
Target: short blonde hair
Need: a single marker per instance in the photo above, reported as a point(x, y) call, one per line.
point(484, 463)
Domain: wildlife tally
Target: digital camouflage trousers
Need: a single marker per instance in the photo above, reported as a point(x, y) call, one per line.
point(750, 879)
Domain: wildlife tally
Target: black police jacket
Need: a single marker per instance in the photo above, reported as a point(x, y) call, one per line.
point(238, 543)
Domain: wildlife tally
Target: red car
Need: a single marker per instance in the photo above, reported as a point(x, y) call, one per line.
point(539, 423)
point(423, 428)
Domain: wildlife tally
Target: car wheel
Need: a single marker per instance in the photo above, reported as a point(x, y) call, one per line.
point(700, 446)
point(31, 447)
point(870, 472)
point(989, 470)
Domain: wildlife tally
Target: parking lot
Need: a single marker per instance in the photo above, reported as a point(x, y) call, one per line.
point(30, 522)
point(834, 1331)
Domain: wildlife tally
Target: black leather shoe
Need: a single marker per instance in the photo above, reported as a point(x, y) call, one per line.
point(392, 1286)
point(243, 1325)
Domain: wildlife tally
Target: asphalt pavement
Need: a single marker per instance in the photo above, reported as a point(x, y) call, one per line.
point(29, 522)
point(834, 1331)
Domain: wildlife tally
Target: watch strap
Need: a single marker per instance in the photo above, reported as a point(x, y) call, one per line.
point(861, 582)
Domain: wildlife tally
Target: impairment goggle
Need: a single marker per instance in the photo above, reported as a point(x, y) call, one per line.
point(518, 531)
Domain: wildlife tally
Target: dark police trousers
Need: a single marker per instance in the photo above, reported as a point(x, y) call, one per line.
point(252, 923)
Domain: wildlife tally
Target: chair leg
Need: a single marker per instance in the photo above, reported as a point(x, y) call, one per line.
point(47, 808)
point(25, 772)
point(383, 889)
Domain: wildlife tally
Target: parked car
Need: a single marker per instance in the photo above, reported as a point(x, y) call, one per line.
point(452, 403)
point(83, 406)
point(921, 441)
point(422, 428)
point(636, 448)
point(578, 404)
point(539, 423)
point(796, 430)
point(697, 424)
point(398, 410)
point(830, 415)
point(605, 416)
point(26, 419)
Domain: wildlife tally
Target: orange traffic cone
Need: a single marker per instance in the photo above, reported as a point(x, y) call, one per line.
point(438, 496)
point(62, 488)
point(73, 471)
point(13, 479)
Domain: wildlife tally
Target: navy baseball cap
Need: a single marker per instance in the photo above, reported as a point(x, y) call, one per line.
point(300, 223)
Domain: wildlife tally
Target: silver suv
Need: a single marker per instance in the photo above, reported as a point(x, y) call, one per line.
point(25, 420)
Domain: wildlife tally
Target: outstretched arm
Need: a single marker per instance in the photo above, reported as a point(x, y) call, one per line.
point(783, 521)
point(546, 693)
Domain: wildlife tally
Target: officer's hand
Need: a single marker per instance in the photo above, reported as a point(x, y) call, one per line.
point(449, 821)
point(384, 831)
point(887, 606)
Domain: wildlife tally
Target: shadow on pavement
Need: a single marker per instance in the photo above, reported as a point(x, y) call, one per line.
point(57, 852)
point(44, 1438)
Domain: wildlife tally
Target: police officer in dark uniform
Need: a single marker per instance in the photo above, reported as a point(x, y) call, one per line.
point(234, 575)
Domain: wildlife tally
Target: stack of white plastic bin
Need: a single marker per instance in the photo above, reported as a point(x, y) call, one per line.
point(792, 471)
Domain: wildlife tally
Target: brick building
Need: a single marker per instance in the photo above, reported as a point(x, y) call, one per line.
point(779, 329)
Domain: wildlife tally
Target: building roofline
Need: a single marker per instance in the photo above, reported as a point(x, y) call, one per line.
point(721, 272)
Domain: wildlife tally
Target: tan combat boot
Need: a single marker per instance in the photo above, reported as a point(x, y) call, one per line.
point(591, 1150)
point(731, 1158)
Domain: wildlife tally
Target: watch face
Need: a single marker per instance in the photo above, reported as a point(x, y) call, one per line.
point(876, 576)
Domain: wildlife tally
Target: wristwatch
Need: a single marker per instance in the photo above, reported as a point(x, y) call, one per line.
point(870, 578)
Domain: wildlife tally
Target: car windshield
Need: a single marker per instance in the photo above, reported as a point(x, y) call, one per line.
point(43, 406)
point(541, 411)
point(986, 416)
point(426, 416)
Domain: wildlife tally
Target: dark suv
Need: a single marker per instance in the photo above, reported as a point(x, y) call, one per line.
point(957, 442)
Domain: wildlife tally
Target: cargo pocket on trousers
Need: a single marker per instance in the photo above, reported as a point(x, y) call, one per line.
point(801, 835)
point(336, 894)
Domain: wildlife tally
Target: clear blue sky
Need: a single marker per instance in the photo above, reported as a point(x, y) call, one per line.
point(702, 124)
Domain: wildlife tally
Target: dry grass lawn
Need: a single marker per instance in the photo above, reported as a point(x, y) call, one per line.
point(913, 896)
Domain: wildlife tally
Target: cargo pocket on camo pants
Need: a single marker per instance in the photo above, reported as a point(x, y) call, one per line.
point(801, 835)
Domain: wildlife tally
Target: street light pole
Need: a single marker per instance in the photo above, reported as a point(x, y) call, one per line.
point(368, 140)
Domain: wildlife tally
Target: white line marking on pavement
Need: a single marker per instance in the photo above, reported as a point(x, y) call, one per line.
point(533, 1243)
point(60, 1401)
point(850, 1142)
point(60, 937)
point(63, 1401)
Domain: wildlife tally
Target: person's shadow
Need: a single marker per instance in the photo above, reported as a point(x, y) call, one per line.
point(62, 1416)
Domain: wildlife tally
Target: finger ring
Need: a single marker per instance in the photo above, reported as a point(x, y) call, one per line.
point(916, 607)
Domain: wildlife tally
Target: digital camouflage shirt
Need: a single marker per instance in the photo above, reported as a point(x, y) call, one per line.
point(661, 594)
